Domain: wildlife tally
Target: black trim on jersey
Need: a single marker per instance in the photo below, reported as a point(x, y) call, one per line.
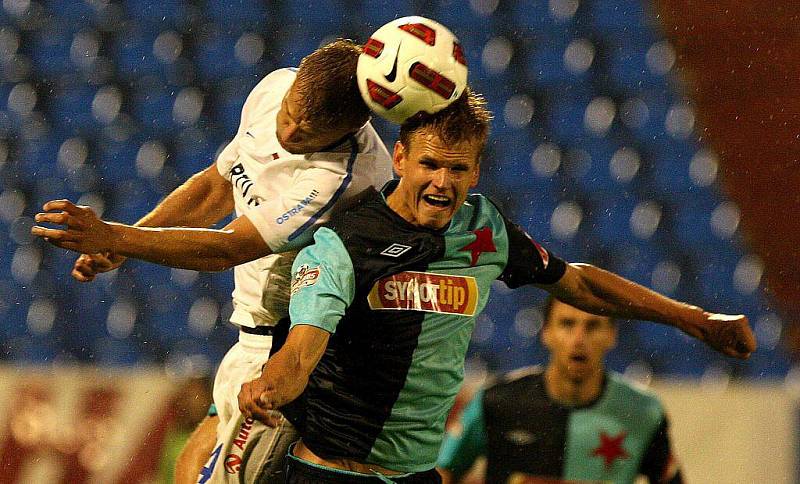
point(525, 264)
point(658, 458)
point(352, 390)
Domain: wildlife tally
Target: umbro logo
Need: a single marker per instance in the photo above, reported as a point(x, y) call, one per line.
point(396, 250)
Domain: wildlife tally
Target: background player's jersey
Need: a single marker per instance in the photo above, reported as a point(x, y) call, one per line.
point(401, 302)
point(283, 194)
point(526, 435)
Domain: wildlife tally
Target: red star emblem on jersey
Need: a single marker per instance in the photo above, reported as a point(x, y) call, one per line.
point(610, 448)
point(484, 242)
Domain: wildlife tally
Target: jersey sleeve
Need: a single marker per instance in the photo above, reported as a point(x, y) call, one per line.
point(659, 464)
point(459, 452)
point(307, 202)
point(323, 285)
point(529, 262)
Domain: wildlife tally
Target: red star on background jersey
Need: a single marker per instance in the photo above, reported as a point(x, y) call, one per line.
point(611, 448)
point(484, 242)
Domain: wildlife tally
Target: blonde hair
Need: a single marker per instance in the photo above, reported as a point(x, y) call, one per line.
point(466, 119)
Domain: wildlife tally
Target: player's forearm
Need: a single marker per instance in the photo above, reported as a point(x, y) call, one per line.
point(603, 292)
point(201, 201)
point(184, 248)
point(288, 371)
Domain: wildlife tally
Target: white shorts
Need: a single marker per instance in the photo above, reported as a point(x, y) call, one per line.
point(246, 450)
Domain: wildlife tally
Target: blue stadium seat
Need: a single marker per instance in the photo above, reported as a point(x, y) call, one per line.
point(668, 169)
point(193, 153)
point(166, 312)
point(534, 16)
point(628, 19)
point(14, 306)
point(545, 67)
point(77, 13)
point(318, 19)
point(508, 162)
point(130, 200)
point(71, 110)
point(152, 107)
point(37, 158)
point(50, 53)
point(134, 54)
point(652, 133)
point(692, 222)
point(216, 59)
point(376, 13)
point(237, 16)
point(627, 70)
point(565, 118)
point(158, 13)
point(116, 161)
point(591, 170)
point(459, 18)
point(115, 352)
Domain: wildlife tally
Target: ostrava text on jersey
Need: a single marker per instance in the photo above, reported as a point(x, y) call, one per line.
point(615, 438)
point(401, 303)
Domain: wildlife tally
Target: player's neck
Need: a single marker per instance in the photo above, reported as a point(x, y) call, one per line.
point(566, 391)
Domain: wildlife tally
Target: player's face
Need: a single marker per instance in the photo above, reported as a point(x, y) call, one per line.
point(296, 132)
point(435, 178)
point(578, 341)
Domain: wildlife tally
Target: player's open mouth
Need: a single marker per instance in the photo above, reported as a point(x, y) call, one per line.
point(437, 200)
point(578, 358)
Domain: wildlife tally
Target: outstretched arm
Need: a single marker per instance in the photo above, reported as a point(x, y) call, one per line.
point(201, 201)
point(601, 292)
point(285, 375)
point(186, 248)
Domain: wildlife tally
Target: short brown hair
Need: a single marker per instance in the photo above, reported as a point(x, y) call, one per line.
point(466, 119)
point(326, 81)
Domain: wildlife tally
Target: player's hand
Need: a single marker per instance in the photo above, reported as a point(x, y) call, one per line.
point(83, 232)
point(87, 266)
point(251, 405)
point(729, 334)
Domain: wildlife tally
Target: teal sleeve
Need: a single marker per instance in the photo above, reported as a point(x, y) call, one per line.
point(323, 285)
point(459, 452)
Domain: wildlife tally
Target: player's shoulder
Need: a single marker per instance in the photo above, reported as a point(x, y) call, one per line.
point(276, 82)
point(525, 376)
point(634, 394)
point(478, 210)
point(363, 213)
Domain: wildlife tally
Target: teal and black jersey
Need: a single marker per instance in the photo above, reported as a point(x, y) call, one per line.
point(400, 302)
point(526, 436)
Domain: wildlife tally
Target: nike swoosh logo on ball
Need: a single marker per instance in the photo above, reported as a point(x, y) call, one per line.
point(392, 75)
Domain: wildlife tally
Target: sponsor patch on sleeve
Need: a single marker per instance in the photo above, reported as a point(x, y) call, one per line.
point(304, 277)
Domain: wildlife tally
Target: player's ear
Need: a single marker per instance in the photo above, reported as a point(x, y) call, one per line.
point(399, 158)
point(544, 336)
point(476, 175)
point(612, 343)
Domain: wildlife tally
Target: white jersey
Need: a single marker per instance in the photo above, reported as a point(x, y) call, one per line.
point(286, 196)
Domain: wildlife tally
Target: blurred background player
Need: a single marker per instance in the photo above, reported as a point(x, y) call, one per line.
point(572, 421)
point(303, 146)
point(384, 303)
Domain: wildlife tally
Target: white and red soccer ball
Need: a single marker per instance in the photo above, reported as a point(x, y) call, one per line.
point(409, 65)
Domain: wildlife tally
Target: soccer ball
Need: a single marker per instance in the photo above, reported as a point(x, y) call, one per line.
point(409, 65)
